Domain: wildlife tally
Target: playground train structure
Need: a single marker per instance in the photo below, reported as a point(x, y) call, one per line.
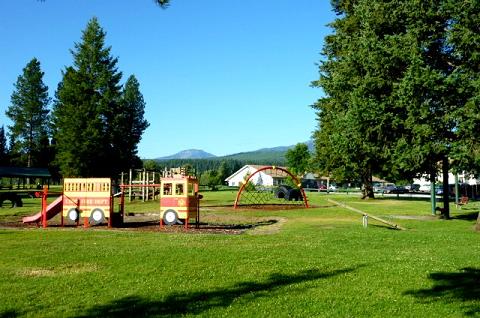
point(91, 201)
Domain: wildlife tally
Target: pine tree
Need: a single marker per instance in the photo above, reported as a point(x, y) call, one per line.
point(129, 123)
point(464, 39)
point(3, 148)
point(29, 113)
point(97, 126)
point(401, 84)
point(353, 124)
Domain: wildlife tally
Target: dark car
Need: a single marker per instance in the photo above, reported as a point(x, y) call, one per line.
point(399, 190)
point(395, 189)
point(413, 187)
point(439, 190)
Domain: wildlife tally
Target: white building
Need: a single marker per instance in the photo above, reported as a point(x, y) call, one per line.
point(424, 182)
point(267, 177)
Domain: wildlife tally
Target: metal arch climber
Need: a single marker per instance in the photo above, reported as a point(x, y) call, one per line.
point(258, 195)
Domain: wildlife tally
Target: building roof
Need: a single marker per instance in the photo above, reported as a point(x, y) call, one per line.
point(279, 174)
point(376, 179)
point(19, 172)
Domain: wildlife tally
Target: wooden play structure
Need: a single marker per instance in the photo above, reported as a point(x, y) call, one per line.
point(91, 201)
point(141, 184)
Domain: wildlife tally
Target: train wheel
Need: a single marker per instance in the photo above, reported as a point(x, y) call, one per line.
point(97, 216)
point(170, 217)
point(72, 215)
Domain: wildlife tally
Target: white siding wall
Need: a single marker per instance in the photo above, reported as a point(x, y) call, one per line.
point(462, 178)
point(260, 178)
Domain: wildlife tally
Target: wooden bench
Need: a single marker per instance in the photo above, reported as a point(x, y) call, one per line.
point(463, 201)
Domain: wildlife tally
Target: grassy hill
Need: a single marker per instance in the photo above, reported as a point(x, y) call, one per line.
point(262, 156)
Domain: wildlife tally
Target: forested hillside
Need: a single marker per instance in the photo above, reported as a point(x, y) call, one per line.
point(231, 163)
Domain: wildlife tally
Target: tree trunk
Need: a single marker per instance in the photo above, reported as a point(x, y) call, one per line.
point(433, 199)
point(446, 189)
point(367, 186)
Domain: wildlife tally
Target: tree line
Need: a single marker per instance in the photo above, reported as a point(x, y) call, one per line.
point(402, 85)
point(210, 172)
point(94, 123)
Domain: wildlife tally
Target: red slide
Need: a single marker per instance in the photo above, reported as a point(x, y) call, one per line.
point(52, 209)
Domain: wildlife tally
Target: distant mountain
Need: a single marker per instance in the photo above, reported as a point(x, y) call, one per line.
point(309, 144)
point(189, 154)
point(274, 155)
point(274, 149)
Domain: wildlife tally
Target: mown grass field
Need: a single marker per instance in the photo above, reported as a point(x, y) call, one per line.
point(317, 262)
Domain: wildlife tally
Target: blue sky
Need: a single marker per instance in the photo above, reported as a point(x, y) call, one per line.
point(225, 76)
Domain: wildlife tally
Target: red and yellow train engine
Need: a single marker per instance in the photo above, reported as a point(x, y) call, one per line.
point(179, 199)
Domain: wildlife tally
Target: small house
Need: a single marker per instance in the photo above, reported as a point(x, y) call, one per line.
point(265, 177)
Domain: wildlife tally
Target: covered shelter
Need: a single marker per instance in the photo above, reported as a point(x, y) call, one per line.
point(20, 177)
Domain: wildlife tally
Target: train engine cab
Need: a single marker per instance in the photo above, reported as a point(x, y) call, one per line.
point(179, 200)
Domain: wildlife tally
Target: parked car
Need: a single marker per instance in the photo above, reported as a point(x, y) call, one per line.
point(332, 187)
point(439, 189)
point(424, 188)
point(399, 190)
point(413, 187)
point(388, 188)
point(377, 187)
point(392, 188)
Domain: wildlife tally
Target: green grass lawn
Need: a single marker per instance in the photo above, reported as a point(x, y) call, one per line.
point(318, 262)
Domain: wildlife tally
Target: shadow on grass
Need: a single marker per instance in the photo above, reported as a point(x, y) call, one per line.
point(202, 225)
point(461, 286)
point(10, 314)
point(467, 216)
point(383, 227)
point(179, 304)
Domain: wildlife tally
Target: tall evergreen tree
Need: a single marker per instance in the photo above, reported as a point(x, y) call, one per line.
point(3, 148)
point(355, 116)
point(96, 125)
point(464, 40)
point(29, 113)
point(129, 123)
point(424, 95)
point(437, 91)
point(44, 155)
point(400, 89)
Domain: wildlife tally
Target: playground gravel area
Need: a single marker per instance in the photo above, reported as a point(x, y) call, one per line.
point(211, 223)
